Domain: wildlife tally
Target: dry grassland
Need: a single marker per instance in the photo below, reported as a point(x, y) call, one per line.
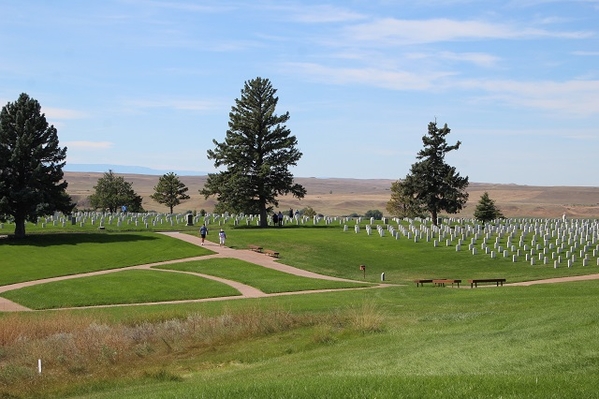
point(336, 197)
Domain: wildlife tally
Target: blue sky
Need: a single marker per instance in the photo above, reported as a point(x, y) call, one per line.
point(151, 83)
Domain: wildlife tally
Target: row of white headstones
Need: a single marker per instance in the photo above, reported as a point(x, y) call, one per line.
point(102, 219)
point(544, 241)
point(561, 241)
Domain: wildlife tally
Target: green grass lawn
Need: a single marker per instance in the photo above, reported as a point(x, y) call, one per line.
point(510, 342)
point(266, 280)
point(49, 255)
point(329, 250)
point(499, 342)
point(129, 286)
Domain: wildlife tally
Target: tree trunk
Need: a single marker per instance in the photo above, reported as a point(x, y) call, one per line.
point(263, 215)
point(434, 216)
point(19, 227)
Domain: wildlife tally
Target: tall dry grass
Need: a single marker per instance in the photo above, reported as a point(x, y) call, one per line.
point(77, 350)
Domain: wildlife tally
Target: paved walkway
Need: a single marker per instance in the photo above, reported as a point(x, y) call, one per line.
point(245, 290)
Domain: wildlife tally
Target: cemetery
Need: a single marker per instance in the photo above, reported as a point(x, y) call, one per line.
point(313, 324)
point(559, 243)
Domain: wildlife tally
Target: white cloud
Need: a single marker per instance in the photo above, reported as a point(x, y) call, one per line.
point(89, 145)
point(586, 53)
point(479, 59)
point(62, 113)
point(186, 105)
point(574, 97)
point(390, 79)
point(323, 14)
point(183, 6)
point(391, 31)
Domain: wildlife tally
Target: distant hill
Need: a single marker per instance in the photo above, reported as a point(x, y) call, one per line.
point(102, 168)
point(337, 196)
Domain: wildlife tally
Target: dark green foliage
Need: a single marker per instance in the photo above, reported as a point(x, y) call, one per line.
point(402, 205)
point(434, 185)
point(257, 153)
point(170, 191)
point(31, 162)
point(374, 213)
point(486, 210)
point(112, 192)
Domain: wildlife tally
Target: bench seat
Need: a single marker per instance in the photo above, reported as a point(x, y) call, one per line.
point(497, 281)
point(255, 248)
point(421, 281)
point(272, 253)
point(442, 281)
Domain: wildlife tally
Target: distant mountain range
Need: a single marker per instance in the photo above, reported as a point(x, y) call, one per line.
point(101, 168)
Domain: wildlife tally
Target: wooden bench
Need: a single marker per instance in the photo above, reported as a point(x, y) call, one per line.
point(255, 248)
point(421, 281)
point(474, 282)
point(443, 281)
point(272, 253)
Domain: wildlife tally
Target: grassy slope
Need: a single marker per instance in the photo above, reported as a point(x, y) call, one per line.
point(129, 286)
point(267, 280)
point(507, 342)
point(49, 255)
point(330, 250)
point(498, 342)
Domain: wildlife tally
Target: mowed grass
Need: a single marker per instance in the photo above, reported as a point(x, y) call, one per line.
point(265, 279)
point(332, 251)
point(400, 342)
point(506, 342)
point(122, 287)
point(49, 255)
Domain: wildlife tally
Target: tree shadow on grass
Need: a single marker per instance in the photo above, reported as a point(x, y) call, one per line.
point(47, 240)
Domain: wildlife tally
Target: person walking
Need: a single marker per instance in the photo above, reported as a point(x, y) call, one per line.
point(203, 232)
point(221, 237)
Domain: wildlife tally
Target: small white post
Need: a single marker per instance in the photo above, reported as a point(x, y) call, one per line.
point(39, 366)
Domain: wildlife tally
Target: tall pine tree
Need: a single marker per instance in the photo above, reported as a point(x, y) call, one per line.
point(170, 191)
point(486, 210)
point(402, 205)
point(31, 162)
point(112, 192)
point(257, 153)
point(434, 185)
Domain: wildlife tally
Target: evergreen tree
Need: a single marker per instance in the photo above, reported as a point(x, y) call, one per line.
point(486, 210)
point(113, 192)
point(403, 205)
point(170, 191)
point(374, 213)
point(31, 162)
point(433, 184)
point(257, 153)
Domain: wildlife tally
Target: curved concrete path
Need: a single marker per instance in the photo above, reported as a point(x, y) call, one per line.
point(246, 291)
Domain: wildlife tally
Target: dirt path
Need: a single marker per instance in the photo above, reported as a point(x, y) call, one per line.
point(252, 257)
point(555, 280)
point(246, 291)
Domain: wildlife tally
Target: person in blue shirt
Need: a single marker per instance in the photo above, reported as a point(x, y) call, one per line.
point(203, 232)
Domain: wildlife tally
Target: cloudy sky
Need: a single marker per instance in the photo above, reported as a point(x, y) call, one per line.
point(151, 83)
